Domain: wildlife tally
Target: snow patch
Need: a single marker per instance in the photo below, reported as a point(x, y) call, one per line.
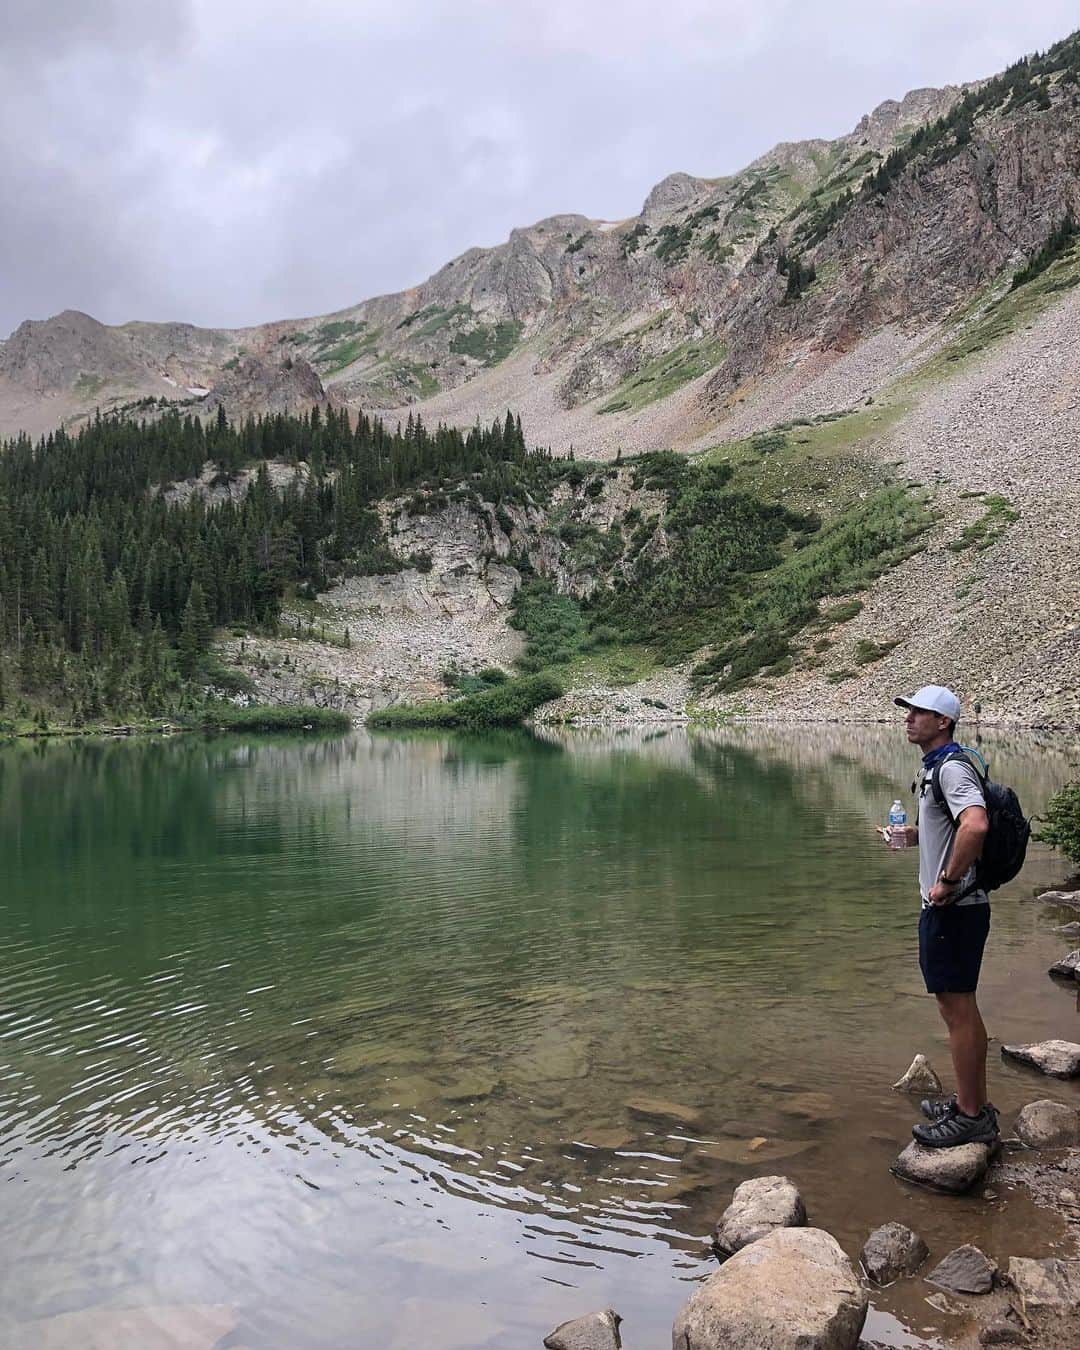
point(197, 390)
point(168, 379)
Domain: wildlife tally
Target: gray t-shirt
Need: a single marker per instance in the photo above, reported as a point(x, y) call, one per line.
point(959, 781)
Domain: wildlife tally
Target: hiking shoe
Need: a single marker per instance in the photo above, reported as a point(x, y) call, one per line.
point(959, 1129)
point(935, 1111)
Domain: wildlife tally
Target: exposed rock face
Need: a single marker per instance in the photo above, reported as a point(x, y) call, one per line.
point(1048, 1124)
point(595, 1331)
point(792, 1290)
point(965, 1271)
point(920, 1077)
point(758, 1207)
point(892, 1251)
point(953, 1170)
point(677, 189)
point(1059, 1059)
point(261, 385)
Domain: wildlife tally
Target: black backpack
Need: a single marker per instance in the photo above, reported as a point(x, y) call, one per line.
point(1005, 845)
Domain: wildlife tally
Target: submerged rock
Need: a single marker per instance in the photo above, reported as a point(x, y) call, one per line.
point(920, 1077)
point(1059, 1059)
point(1050, 1283)
point(594, 1331)
point(891, 1251)
point(1069, 929)
point(966, 1270)
point(758, 1207)
point(656, 1108)
point(602, 1137)
point(747, 1152)
point(809, 1106)
point(952, 1170)
point(792, 1290)
point(1048, 1124)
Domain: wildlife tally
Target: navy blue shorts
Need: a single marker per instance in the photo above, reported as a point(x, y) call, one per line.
point(951, 942)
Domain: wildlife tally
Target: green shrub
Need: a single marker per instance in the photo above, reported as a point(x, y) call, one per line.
point(843, 612)
point(867, 652)
point(553, 625)
point(1062, 821)
point(506, 705)
point(1059, 241)
point(228, 679)
point(299, 717)
point(989, 528)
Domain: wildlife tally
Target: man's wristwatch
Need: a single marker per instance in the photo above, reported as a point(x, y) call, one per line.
point(946, 880)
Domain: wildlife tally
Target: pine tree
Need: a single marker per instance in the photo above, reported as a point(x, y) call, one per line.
point(28, 658)
point(194, 633)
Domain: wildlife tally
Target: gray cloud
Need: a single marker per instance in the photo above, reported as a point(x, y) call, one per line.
point(230, 163)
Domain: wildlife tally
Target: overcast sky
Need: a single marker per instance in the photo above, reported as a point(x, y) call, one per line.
point(232, 161)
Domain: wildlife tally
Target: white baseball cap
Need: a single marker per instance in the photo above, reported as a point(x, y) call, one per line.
point(933, 698)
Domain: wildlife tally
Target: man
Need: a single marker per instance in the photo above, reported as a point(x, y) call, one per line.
point(955, 917)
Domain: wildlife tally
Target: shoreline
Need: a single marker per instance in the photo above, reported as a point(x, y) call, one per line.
point(703, 719)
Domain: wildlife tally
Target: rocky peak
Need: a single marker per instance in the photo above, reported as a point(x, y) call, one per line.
point(677, 189)
point(49, 355)
point(895, 120)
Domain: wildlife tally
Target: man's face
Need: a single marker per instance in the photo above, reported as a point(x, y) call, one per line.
point(924, 726)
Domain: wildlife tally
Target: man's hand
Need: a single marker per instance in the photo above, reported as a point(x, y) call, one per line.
point(910, 833)
point(940, 894)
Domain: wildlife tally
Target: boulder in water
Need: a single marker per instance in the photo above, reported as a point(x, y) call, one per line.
point(1048, 1124)
point(952, 1170)
point(892, 1251)
point(1059, 1059)
point(966, 1270)
point(1068, 968)
point(594, 1331)
point(758, 1207)
point(792, 1290)
point(920, 1077)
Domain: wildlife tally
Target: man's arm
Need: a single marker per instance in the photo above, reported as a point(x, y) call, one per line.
point(971, 830)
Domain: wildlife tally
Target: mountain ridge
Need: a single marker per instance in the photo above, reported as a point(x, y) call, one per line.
point(59, 369)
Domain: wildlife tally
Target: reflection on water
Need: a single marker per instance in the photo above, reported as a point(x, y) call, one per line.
point(372, 1040)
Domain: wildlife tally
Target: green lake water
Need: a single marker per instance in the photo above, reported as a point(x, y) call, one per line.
point(388, 1042)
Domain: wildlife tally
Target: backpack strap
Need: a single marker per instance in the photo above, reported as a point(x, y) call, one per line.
point(939, 797)
point(935, 781)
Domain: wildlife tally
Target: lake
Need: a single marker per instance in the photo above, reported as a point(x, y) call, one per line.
point(384, 1041)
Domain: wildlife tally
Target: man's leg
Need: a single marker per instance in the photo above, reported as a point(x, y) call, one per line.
point(967, 1042)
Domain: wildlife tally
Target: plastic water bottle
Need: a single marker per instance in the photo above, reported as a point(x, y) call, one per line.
point(897, 825)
